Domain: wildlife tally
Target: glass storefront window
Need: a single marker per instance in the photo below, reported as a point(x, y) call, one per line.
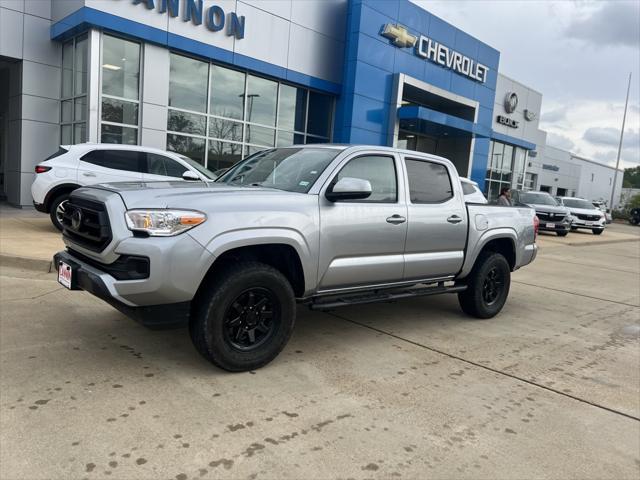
point(185, 122)
point(188, 83)
point(225, 129)
point(227, 92)
point(320, 111)
point(289, 138)
point(223, 154)
point(120, 67)
point(80, 65)
point(241, 113)
point(73, 105)
point(191, 147)
point(261, 100)
point(120, 106)
point(119, 111)
point(507, 165)
point(67, 69)
point(260, 135)
point(292, 108)
point(118, 134)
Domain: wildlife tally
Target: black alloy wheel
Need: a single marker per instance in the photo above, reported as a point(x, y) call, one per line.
point(493, 285)
point(251, 319)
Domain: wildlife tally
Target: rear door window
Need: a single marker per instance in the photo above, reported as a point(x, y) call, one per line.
point(130, 161)
point(429, 182)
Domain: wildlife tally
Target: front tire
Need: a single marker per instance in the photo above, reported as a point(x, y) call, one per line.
point(57, 210)
point(488, 286)
point(563, 233)
point(597, 231)
point(244, 318)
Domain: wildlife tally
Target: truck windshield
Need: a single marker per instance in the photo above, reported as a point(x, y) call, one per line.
point(289, 169)
point(578, 203)
point(537, 198)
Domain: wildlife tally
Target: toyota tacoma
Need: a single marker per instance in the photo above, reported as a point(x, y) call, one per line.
point(326, 226)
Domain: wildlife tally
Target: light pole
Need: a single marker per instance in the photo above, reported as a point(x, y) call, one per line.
point(624, 118)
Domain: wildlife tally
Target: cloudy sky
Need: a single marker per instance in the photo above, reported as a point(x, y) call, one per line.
point(578, 54)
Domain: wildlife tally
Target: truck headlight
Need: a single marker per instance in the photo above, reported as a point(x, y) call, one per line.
point(163, 222)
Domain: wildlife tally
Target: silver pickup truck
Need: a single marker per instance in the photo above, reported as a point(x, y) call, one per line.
point(326, 226)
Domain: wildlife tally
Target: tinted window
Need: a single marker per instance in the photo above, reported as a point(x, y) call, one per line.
point(381, 173)
point(428, 182)
point(174, 169)
point(115, 159)
point(155, 164)
point(319, 114)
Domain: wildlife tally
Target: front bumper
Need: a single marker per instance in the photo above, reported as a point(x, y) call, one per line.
point(554, 227)
point(40, 207)
point(577, 223)
point(88, 278)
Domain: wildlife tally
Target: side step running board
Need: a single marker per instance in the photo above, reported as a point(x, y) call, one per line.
point(377, 296)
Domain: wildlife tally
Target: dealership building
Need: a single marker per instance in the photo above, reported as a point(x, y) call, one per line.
point(218, 80)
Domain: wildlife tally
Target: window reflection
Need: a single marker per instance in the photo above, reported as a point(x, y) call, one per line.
point(261, 100)
point(188, 83)
point(188, 146)
point(292, 108)
point(223, 154)
point(227, 92)
point(187, 122)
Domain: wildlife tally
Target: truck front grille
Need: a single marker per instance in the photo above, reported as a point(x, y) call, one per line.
point(86, 223)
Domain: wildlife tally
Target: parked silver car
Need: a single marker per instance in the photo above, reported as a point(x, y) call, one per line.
point(326, 226)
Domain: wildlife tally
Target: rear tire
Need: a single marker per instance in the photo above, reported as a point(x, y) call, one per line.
point(57, 209)
point(597, 231)
point(244, 317)
point(563, 234)
point(488, 286)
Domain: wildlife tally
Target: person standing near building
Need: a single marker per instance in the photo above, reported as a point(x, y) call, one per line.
point(505, 197)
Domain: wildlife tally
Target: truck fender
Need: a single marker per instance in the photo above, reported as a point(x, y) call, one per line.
point(483, 239)
point(262, 236)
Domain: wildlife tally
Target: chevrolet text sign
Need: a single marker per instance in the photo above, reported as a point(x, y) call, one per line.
point(435, 52)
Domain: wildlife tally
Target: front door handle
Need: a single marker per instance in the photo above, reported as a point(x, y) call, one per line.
point(396, 219)
point(89, 174)
point(454, 219)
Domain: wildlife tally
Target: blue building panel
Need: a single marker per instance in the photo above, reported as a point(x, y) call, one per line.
point(373, 82)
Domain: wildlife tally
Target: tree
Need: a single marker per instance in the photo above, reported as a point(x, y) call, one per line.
point(631, 177)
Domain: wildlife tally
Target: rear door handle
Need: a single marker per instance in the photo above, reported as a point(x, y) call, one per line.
point(396, 219)
point(89, 174)
point(454, 219)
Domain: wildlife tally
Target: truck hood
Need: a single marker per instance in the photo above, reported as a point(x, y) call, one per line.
point(548, 208)
point(181, 194)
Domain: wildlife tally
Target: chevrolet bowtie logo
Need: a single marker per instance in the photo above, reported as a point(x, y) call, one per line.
point(398, 35)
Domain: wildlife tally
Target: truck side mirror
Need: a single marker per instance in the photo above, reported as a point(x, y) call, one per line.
point(348, 188)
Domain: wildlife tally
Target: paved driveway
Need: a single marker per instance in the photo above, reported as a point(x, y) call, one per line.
point(414, 389)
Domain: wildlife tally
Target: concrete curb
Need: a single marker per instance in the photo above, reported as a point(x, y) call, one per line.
point(601, 242)
point(35, 264)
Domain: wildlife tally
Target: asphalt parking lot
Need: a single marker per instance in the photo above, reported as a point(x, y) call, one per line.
point(548, 389)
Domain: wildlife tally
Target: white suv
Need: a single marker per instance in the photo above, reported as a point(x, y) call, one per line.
point(74, 166)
